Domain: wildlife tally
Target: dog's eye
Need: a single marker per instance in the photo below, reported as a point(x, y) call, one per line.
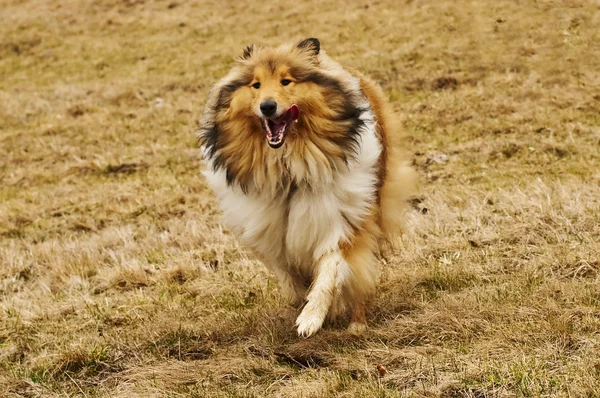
point(285, 82)
point(256, 85)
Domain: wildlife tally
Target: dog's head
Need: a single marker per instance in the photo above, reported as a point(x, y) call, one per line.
point(276, 89)
point(273, 88)
point(291, 95)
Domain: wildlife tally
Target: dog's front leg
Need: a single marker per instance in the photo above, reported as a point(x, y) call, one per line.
point(292, 290)
point(331, 270)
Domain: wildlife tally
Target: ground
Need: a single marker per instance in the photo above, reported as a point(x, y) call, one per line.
point(117, 279)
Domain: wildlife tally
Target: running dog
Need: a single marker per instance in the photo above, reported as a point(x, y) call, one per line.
point(301, 153)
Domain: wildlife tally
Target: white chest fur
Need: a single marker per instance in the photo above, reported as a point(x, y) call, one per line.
point(294, 230)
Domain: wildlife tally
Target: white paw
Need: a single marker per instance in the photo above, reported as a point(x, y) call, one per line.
point(309, 322)
point(357, 327)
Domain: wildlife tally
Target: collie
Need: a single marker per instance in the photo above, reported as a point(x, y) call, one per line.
point(299, 152)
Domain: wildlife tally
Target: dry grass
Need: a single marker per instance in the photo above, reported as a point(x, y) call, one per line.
point(116, 279)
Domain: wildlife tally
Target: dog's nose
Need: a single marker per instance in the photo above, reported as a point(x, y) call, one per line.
point(268, 108)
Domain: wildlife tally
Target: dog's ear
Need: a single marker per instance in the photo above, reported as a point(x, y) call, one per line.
point(247, 52)
point(311, 45)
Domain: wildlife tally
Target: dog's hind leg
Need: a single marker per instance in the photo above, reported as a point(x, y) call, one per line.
point(358, 318)
point(331, 272)
point(363, 264)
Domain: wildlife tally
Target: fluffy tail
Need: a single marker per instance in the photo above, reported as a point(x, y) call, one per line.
point(400, 184)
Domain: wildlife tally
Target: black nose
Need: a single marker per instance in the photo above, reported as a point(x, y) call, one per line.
point(268, 108)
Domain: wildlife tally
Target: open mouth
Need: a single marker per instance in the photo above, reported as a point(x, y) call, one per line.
point(276, 128)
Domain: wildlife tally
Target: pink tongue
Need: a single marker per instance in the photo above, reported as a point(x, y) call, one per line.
point(292, 113)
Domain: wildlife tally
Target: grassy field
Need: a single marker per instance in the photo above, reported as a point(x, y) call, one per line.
point(117, 280)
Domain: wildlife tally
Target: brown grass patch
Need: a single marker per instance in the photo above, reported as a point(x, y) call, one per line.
point(117, 280)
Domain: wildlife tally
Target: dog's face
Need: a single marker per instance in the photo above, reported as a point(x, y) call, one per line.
point(274, 101)
point(274, 93)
